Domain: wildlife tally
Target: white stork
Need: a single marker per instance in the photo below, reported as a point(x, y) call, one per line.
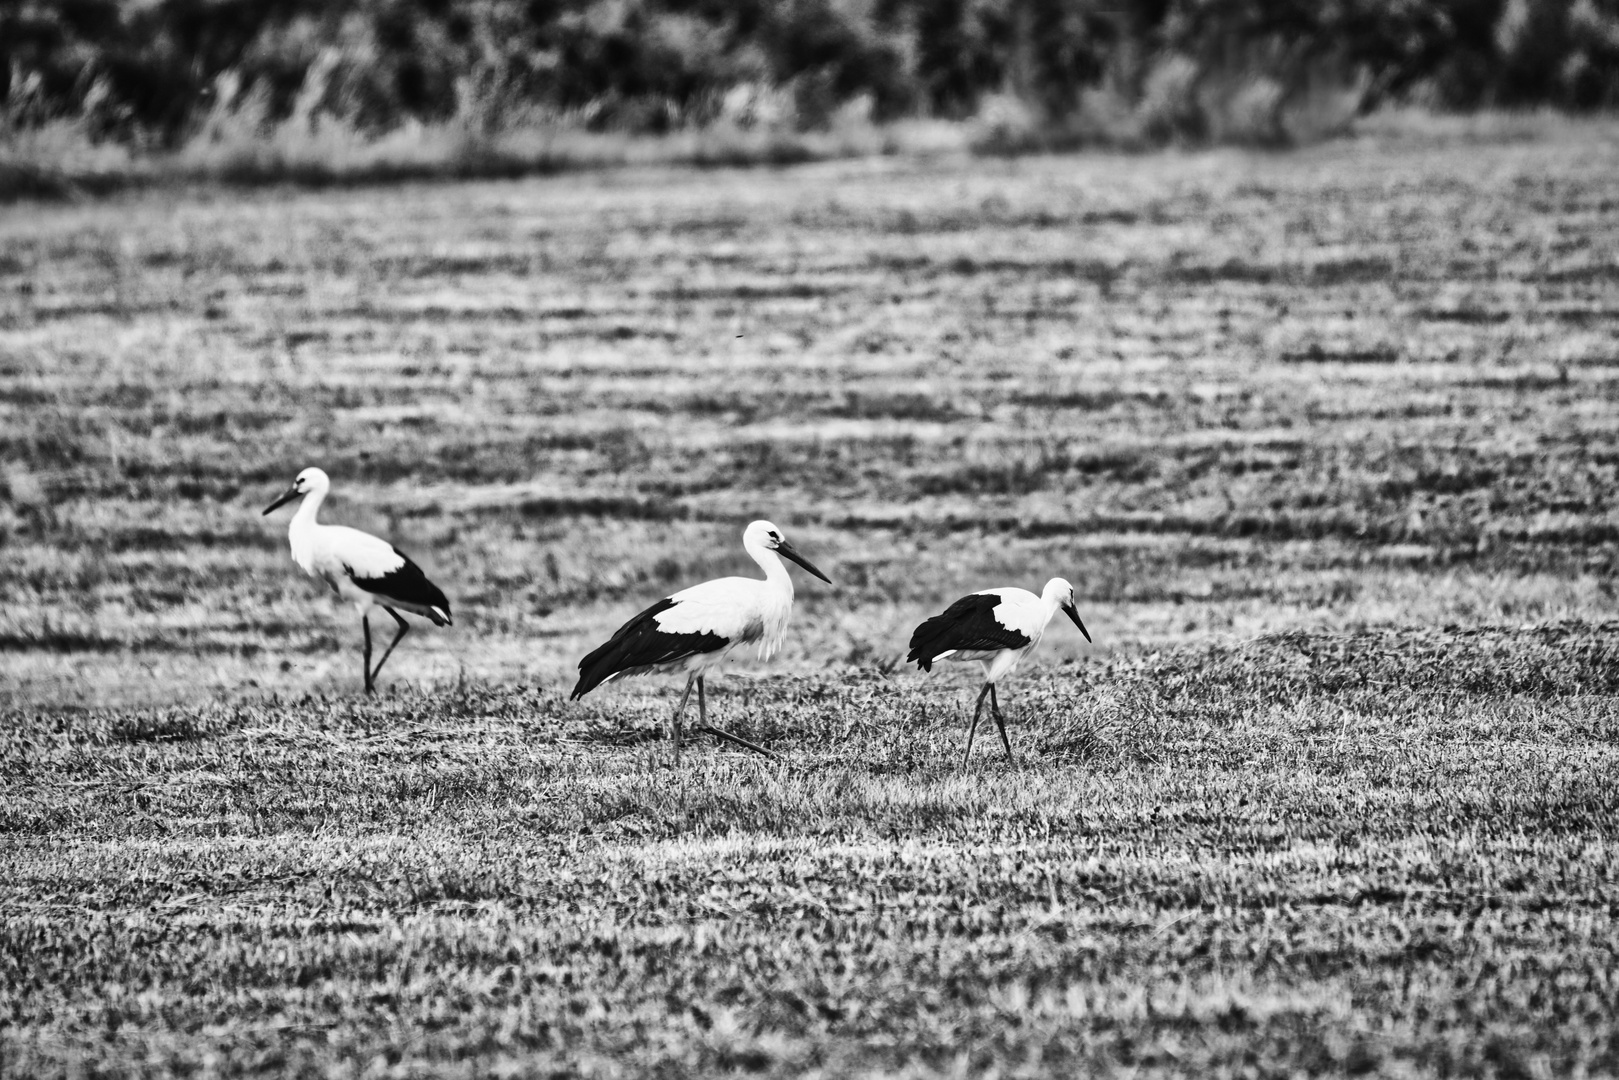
point(362, 569)
point(695, 628)
point(998, 628)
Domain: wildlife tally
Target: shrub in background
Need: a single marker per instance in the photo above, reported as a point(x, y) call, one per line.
point(247, 87)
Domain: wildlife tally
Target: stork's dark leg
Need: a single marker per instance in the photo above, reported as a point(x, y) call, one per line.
point(995, 709)
point(404, 628)
point(365, 660)
point(967, 753)
point(702, 711)
point(674, 721)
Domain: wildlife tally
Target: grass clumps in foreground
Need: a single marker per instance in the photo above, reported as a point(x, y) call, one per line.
point(1387, 874)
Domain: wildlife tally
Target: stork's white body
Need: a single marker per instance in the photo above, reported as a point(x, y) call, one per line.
point(1019, 611)
point(697, 628)
point(342, 557)
point(364, 570)
point(998, 628)
point(743, 611)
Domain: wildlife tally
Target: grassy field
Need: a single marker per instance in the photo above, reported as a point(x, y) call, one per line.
point(1328, 442)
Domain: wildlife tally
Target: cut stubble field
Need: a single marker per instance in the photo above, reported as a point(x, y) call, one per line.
point(1327, 441)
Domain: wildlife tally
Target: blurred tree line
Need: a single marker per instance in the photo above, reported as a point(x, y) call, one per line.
point(150, 71)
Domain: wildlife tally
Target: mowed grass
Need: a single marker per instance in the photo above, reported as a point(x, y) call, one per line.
point(1327, 441)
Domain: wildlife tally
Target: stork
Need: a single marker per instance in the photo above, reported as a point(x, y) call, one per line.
point(363, 570)
point(696, 628)
point(998, 628)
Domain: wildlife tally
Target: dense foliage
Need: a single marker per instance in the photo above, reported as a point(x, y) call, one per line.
point(154, 71)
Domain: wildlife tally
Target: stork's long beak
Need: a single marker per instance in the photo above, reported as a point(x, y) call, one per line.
point(286, 497)
point(784, 548)
point(1073, 613)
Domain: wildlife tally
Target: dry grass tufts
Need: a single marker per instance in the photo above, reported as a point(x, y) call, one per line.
point(1324, 439)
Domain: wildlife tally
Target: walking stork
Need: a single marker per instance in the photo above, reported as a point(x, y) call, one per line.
point(998, 628)
point(695, 628)
point(362, 569)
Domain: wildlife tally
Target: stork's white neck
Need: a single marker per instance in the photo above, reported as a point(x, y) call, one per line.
point(777, 590)
point(301, 530)
point(1051, 602)
point(309, 508)
point(776, 574)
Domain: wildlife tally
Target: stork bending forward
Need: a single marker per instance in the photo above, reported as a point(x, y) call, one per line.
point(998, 628)
point(362, 569)
point(695, 628)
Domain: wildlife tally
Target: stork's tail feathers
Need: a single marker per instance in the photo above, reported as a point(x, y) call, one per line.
point(435, 605)
point(601, 664)
point(406, 586)
point(642, 645)
point(927, 642)
point(616, 654)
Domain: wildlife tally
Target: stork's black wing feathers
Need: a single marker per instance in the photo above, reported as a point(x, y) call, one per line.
point(406, 584)
point(640, 644)
point(968, 624)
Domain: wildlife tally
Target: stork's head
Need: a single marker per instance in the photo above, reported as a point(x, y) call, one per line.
point(762, 534)
point(310, 480)
point(1058, 591)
